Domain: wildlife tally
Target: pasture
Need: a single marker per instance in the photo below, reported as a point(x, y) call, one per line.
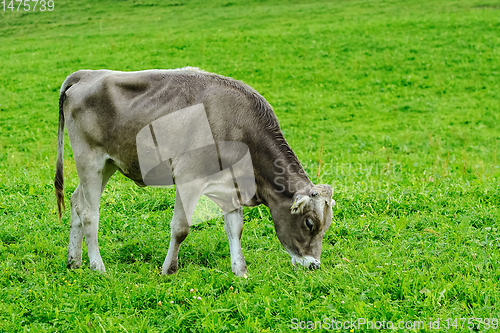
point(395, 104)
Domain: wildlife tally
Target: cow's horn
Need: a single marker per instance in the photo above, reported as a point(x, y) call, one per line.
point(301, 201)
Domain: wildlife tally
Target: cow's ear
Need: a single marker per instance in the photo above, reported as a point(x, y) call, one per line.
point(300, 202)
point(333, 203)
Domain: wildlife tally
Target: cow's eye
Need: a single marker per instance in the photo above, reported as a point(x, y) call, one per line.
point(309, 224)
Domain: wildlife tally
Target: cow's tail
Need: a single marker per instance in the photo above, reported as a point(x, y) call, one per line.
point(59, 179)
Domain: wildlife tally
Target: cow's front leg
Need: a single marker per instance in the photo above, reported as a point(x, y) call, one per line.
point(179, 229)
point(234, 228)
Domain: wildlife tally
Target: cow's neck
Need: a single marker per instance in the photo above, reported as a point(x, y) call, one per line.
point(279, 174)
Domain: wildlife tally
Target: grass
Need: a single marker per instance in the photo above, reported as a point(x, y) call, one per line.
point(393, 103)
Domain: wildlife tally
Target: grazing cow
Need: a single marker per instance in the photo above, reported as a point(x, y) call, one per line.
point(113, 118)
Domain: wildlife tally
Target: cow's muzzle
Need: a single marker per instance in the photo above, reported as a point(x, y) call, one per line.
point(308, 262)
point(314, 265)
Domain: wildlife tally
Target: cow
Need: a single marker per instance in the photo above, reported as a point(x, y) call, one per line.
point(107, 112)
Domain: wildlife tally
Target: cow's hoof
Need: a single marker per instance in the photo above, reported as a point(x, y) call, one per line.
point(239, 268)
point(241, 272)
point(98, 266)
point(170, 269)
point(74, 264)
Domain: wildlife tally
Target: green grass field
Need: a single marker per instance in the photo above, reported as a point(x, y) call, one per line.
point(394, 103)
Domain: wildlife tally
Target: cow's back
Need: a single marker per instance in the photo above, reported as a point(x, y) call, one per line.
point(107, 109)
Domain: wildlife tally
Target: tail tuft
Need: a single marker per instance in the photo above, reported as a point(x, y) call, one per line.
point(59, 179)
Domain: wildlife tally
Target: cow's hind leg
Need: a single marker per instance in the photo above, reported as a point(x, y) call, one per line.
point(179, 229)
point(76, 231)
point(234, 228)
point(85, 203)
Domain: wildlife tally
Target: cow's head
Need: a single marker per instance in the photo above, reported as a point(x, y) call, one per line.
point(300, 226)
